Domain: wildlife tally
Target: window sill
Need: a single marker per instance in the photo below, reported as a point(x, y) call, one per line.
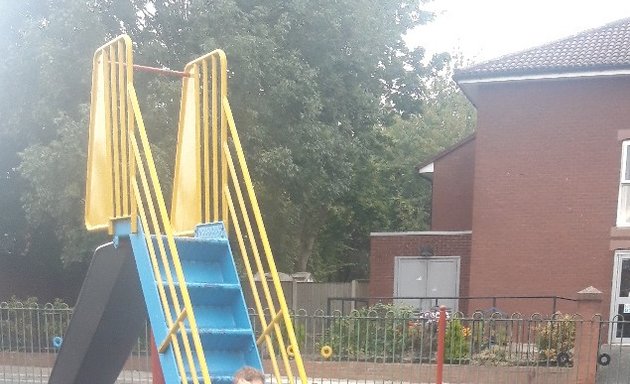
point(623, 232)
point(619, 238)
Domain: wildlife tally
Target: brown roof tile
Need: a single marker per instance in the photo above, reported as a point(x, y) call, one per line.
point(603, 48)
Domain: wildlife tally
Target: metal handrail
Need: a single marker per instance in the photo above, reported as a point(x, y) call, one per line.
point(262, 236)
point(123, 184)
point(110, 165)
point(161, 228)
point(212, 183)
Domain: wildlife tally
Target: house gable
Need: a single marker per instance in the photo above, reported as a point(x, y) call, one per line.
point(451, 173)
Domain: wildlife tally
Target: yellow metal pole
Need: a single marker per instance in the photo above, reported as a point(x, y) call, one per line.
point(261, 271)
point(215, 143)
point(195, 78)
point(252, 283)
point(121, 117)
point(205, 173)
point(224, 135)
point(108, 125)
point(150, 163)
point(130, 129)
point(265, 242)
point(115, 132)
point(155, 220)
point(276, 319)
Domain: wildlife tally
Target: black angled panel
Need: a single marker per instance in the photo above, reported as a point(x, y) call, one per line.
point(108, 317)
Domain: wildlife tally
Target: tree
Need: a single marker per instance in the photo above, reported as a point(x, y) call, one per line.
point(310, 84)
point(447, 118)
point(46, 55)
point(389, 195)
point(326, 96)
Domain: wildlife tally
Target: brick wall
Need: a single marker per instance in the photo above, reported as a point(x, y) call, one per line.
point(348, 371)
point(545, 191)
point(453, 189)
point(384, 247)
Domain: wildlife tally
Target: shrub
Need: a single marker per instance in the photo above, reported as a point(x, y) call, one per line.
point(491, 357)
point(423, 339)
point(381, 332)
point(456, 341)
point(556, 337)
point(300, 335)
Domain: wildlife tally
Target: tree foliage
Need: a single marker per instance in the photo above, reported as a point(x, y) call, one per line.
point(333, 109)
point(389, 195)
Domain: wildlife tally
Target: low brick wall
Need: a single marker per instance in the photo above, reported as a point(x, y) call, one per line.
point(379, 372)
point(19, 359)
point(47, 360)
point(469, 374)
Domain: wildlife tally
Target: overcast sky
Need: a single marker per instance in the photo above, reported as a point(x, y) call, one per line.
point(486, 29)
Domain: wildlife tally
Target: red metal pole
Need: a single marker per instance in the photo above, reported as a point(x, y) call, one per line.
point(440, 346)
point(156, 368)
point(161, 71)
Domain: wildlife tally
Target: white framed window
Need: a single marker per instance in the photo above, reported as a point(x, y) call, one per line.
point(623, 203)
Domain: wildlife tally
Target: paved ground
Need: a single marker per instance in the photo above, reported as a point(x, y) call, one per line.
point(34, 375)
point(37, 375)
point(618, 370)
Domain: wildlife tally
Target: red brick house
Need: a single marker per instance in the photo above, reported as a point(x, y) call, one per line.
point(544, 184)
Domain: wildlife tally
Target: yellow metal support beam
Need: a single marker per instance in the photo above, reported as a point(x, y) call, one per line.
point(276, 319)
point(177, 325)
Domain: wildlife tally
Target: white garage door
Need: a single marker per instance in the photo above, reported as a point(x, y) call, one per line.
point(427, 277)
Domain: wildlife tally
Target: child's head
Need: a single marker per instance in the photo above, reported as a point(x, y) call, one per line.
point(248, 375)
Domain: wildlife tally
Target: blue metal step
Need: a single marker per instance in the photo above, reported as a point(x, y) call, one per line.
point(216, 305)
point(217, 294)
point(225, 338)
point(203, 259)
point(219, 316)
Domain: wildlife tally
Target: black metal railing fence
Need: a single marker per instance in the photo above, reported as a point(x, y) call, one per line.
point(381, 343)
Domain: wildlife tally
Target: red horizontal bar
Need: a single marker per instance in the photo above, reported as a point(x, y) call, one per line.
point(161, 71)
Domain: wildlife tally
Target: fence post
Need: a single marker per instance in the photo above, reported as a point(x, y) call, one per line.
point(294, 296)
point(440, 346)
point(589, 301)
point(353, 294)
